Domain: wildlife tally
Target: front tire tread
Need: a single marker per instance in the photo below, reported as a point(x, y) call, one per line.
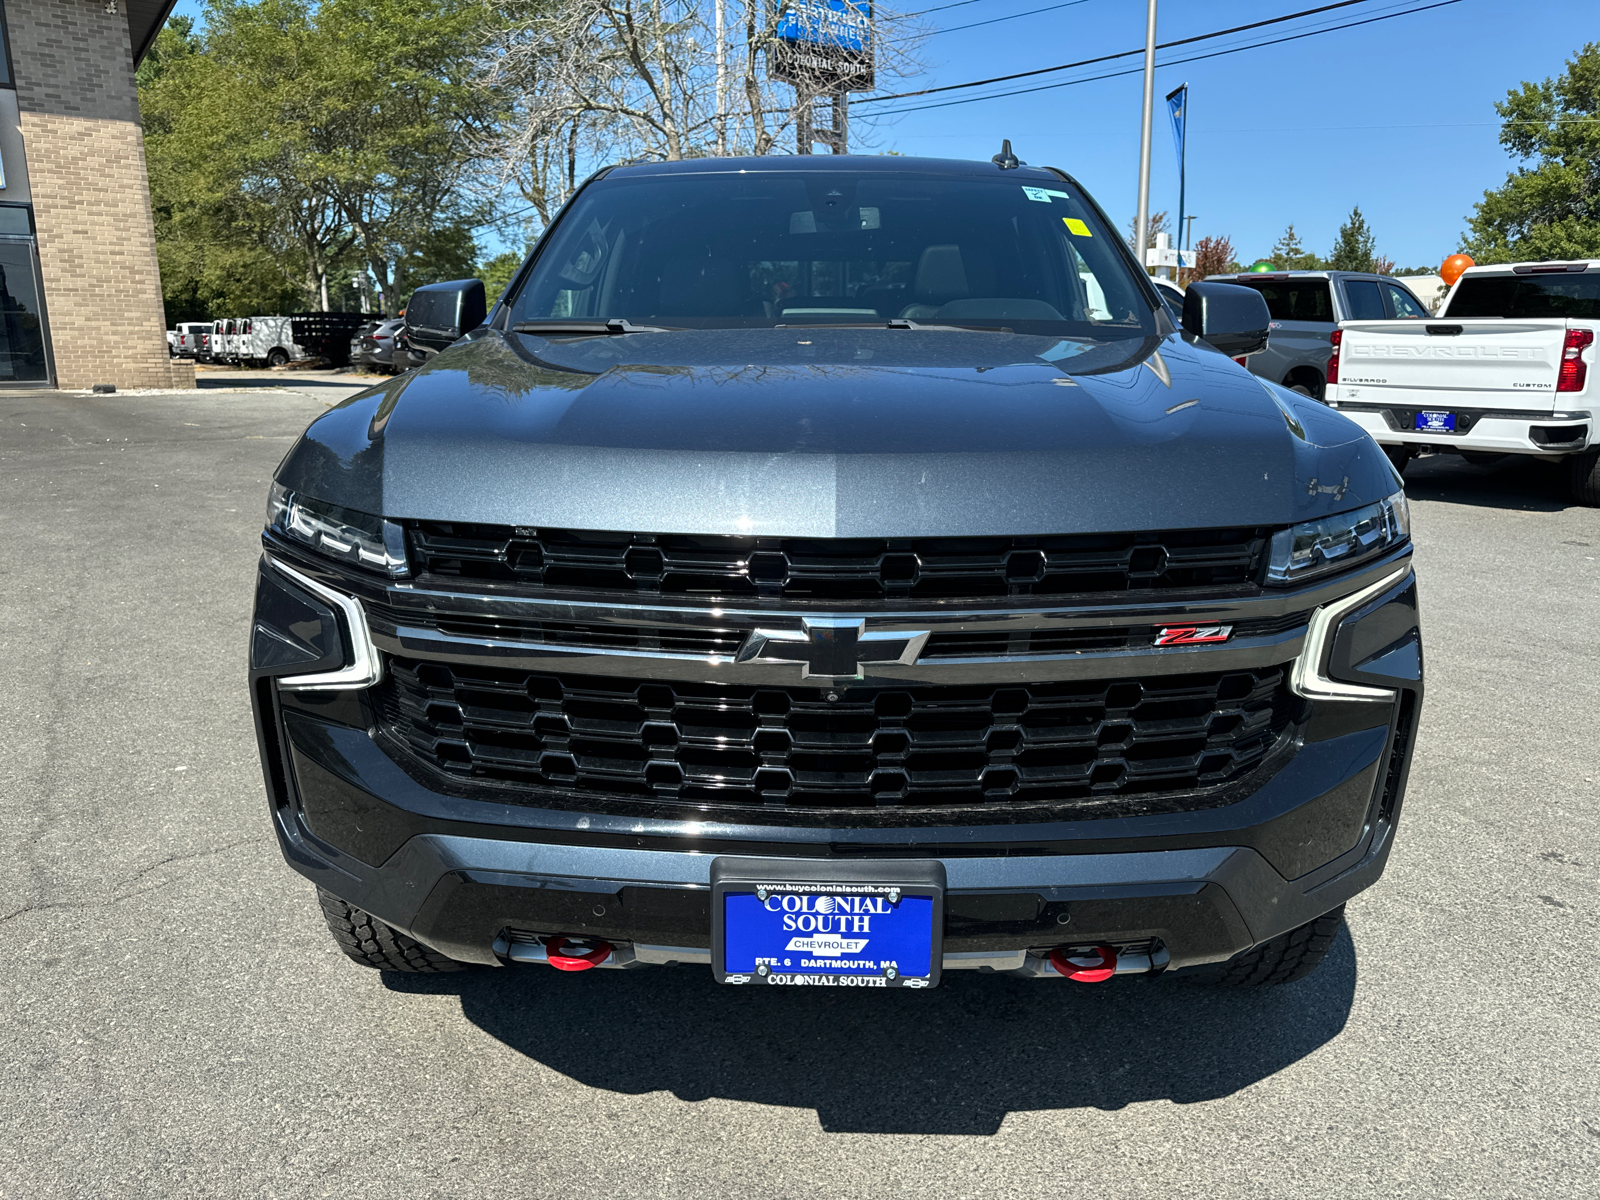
point(372, 943)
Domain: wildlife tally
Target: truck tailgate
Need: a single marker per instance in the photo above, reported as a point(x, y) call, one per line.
point(1498, 364)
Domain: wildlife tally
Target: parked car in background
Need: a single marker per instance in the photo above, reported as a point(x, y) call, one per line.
point(1503, 369)
point(216, 347)
point(373, 346)
point(1306, 308)
point(269, 341)
point(189, 337)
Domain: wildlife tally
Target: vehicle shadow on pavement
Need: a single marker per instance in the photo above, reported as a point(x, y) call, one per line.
point(1516, 482)
point(955, 1060)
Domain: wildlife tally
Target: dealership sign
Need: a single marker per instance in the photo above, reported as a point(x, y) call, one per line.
point(825, 45)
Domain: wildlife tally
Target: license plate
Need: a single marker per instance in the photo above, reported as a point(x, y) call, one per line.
point(798, 923)
point(1436, 422)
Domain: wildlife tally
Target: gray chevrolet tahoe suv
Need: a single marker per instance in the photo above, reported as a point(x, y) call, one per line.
point(1306, 308)
point(835, 572)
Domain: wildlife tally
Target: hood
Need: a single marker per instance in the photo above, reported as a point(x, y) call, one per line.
point(837, 433)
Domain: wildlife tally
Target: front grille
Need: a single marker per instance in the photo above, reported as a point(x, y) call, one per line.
point(1006, 643)
point(867, 748)
point(725, 642)
point(838, 568)
point(576, 635)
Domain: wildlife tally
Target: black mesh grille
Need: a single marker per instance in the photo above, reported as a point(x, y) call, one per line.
point(838, 569)
point(870, 748)
point(1397, 755)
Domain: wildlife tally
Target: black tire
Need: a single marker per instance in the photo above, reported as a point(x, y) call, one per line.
point(1286, 958)
point(370, 942)
point(1399, 457)
point(1583, 478)
point(277, 357)
point(1303, 390)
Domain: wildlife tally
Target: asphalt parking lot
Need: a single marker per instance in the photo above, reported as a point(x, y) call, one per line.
point(175, 1021)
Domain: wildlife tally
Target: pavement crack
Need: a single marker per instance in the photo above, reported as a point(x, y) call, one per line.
point(32, 908)
point(126, 890)
point(176, 858)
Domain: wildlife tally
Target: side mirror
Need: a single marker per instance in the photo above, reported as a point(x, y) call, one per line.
point(440, 313)
point(1232, 318)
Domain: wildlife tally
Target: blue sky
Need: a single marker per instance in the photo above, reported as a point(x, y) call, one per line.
point(1395, 116)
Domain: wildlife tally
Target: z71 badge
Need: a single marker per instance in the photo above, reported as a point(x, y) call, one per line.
point(1192, 635)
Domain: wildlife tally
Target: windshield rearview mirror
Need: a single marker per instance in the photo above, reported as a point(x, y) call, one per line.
point(440, 313)
point(1232, 318)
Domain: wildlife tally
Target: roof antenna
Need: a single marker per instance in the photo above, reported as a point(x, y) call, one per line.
point(1005, 160)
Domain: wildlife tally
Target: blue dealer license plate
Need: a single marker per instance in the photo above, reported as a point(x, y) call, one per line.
point(843, 932)
point(1436, 422)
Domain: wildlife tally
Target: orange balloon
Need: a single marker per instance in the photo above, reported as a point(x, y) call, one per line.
point(1452, 267)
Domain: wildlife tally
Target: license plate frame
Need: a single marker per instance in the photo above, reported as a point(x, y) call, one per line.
point(904, 898)
point(1432, 420)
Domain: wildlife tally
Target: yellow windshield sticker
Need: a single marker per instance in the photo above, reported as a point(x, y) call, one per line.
point(1076, 227)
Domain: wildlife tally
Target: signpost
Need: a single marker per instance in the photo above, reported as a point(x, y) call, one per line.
point(824, 48)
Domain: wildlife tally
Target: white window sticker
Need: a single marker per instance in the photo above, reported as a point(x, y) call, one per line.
point(1043, 195)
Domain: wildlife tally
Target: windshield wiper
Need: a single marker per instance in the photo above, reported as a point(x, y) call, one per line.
point(584, 325)
point(897, 323)
point(908, 323)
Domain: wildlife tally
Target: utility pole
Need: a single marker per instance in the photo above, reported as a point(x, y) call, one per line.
point(1188, 230)
point(722, 80)
point(1142, 221)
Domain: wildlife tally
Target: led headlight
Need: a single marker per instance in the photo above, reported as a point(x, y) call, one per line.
point(358, 538)
point(1328, 544)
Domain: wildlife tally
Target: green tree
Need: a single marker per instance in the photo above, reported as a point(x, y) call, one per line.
point(497, 272)
point(325, 136)
point(1549, 209)
point(218, 250)
point(1289, 255)
point(1355, 249)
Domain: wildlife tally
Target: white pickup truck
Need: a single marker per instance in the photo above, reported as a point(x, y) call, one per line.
point(1503, 369)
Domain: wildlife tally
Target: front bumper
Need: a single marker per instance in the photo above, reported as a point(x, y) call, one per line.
point(471, 895)
point(482, 879)
point(1488, 431)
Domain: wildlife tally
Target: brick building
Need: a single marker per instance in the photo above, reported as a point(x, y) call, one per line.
point(80, 290)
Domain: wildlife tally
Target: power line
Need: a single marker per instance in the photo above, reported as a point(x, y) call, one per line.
point(1011, 17)
point(951, 87)
point(1170, 63)
point(939, 8)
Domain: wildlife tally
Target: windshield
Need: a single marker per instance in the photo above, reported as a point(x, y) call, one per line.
point(763, 248)
point(1521, 297)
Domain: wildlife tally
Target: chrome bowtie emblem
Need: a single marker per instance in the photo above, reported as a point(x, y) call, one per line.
point(832, 647)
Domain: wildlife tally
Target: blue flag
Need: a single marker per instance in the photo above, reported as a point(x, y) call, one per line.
point(1177, 102)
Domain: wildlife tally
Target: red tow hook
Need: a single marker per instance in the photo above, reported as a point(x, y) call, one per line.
point(575, 962)
point(1085, 972)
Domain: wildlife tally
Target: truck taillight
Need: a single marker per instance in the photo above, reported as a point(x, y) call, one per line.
point(1335, 337)
point(1574, 370)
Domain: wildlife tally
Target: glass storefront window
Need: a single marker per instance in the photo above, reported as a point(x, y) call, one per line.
point(22, 355)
